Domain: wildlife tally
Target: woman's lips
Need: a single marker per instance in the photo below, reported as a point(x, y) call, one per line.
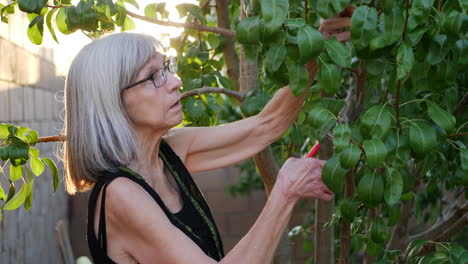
point(175, 106)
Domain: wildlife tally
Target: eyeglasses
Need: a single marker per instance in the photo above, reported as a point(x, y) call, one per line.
point(159, 77)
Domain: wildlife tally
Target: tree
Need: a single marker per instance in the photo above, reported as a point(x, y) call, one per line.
point(389, 108)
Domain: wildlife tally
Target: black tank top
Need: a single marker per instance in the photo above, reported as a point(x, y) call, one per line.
point(195, 218)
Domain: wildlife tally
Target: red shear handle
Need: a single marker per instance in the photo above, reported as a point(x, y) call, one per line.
point(313, 151)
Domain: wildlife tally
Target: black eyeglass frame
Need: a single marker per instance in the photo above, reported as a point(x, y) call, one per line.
point(167, 67)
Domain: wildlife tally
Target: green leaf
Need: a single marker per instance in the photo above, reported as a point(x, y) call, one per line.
point(49, 24)
point(414, 247)
point(394, 215)
point(424, 4)
point(322, 120)
point(341, 137)
point(16, 172)
point(192, 9)
point(340, 5)
point(61, 21)
point(29, 195)
point(350, 156)
point(82, 16)
point(274, 12)
point(53, 170)
point(394, 25)
point(338, 52)
point(298, 77)
point(310, 43)
point(329, 77)
point(36, 28)
point(30, 136)
point(34, 152)
point(194, 108)
point(405, 60)
point(441, 117)
point(422, 137)
point(370, 189)
point(415, 36)
point(376, 122)
point(464, 159)
point(463, 5)
point(378, 230)
point(37, 166)
point(437, 50)
point(3, 131)
point(363, 26)
point(376, 152)
point(461, 51)
point(275, 57)
point(333, 174)
point(18, 154)
point(214, 41)
point(132, 2)
point(31, 6)
point(393, 186)
point(325, 8)
point(151, 10)
point(348, 209)
point(128, 24)
point(18, 199)
point(248, 30)
point(2, 193)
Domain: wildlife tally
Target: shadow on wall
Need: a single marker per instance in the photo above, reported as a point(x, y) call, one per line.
point(30, 92)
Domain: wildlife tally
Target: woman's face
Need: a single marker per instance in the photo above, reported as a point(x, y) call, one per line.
point(151, 107)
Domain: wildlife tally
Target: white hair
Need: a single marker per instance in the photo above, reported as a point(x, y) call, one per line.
point(97, 129)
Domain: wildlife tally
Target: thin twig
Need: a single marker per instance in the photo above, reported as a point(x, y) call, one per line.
point(217, 30)
point(237, 95)
point(397, 98)
point(54, 7)
point(59, 137)
point(459, 134)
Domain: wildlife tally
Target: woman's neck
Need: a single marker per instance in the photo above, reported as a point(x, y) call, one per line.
point(147, 148)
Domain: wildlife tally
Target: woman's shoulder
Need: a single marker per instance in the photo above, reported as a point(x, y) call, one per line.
point(178, 141)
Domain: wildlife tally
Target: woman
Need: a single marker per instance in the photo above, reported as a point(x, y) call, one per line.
point(122, 104)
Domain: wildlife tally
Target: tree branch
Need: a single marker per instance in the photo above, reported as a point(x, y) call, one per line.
point(459, 134)
point(443, 226)
point(461, 105)
point(397, 99)
point(217, 30)
point(401, 229)
point(229, 52)
point(59, 137)
point(237, 95)
point(445, 236)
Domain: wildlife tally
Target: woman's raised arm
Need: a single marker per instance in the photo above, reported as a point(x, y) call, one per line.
point(139, 226)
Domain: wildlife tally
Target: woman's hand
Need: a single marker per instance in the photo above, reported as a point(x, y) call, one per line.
point(338, 26)
point(302, 178)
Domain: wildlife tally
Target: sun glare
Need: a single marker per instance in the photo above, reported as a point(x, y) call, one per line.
point(74, 42)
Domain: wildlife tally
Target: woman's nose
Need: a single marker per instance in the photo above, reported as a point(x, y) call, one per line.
point(174, 82)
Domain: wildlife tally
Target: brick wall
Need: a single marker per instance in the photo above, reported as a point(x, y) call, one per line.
point(30, 86)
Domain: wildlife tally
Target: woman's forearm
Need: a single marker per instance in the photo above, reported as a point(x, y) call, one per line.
point(259, 244)
point(283, 108)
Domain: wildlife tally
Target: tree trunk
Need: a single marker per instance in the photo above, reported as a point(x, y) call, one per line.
point(324, 248)
point(265, 161)
point(230, 55)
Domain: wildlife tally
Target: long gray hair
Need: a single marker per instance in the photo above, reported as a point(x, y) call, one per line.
point(98, 133)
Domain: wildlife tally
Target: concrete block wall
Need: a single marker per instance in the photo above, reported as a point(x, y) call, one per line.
point(29, 88)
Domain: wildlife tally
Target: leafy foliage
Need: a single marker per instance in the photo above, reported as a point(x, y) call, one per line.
point(407, 143)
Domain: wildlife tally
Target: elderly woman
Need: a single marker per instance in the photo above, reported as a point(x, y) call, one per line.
point(122, 106)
